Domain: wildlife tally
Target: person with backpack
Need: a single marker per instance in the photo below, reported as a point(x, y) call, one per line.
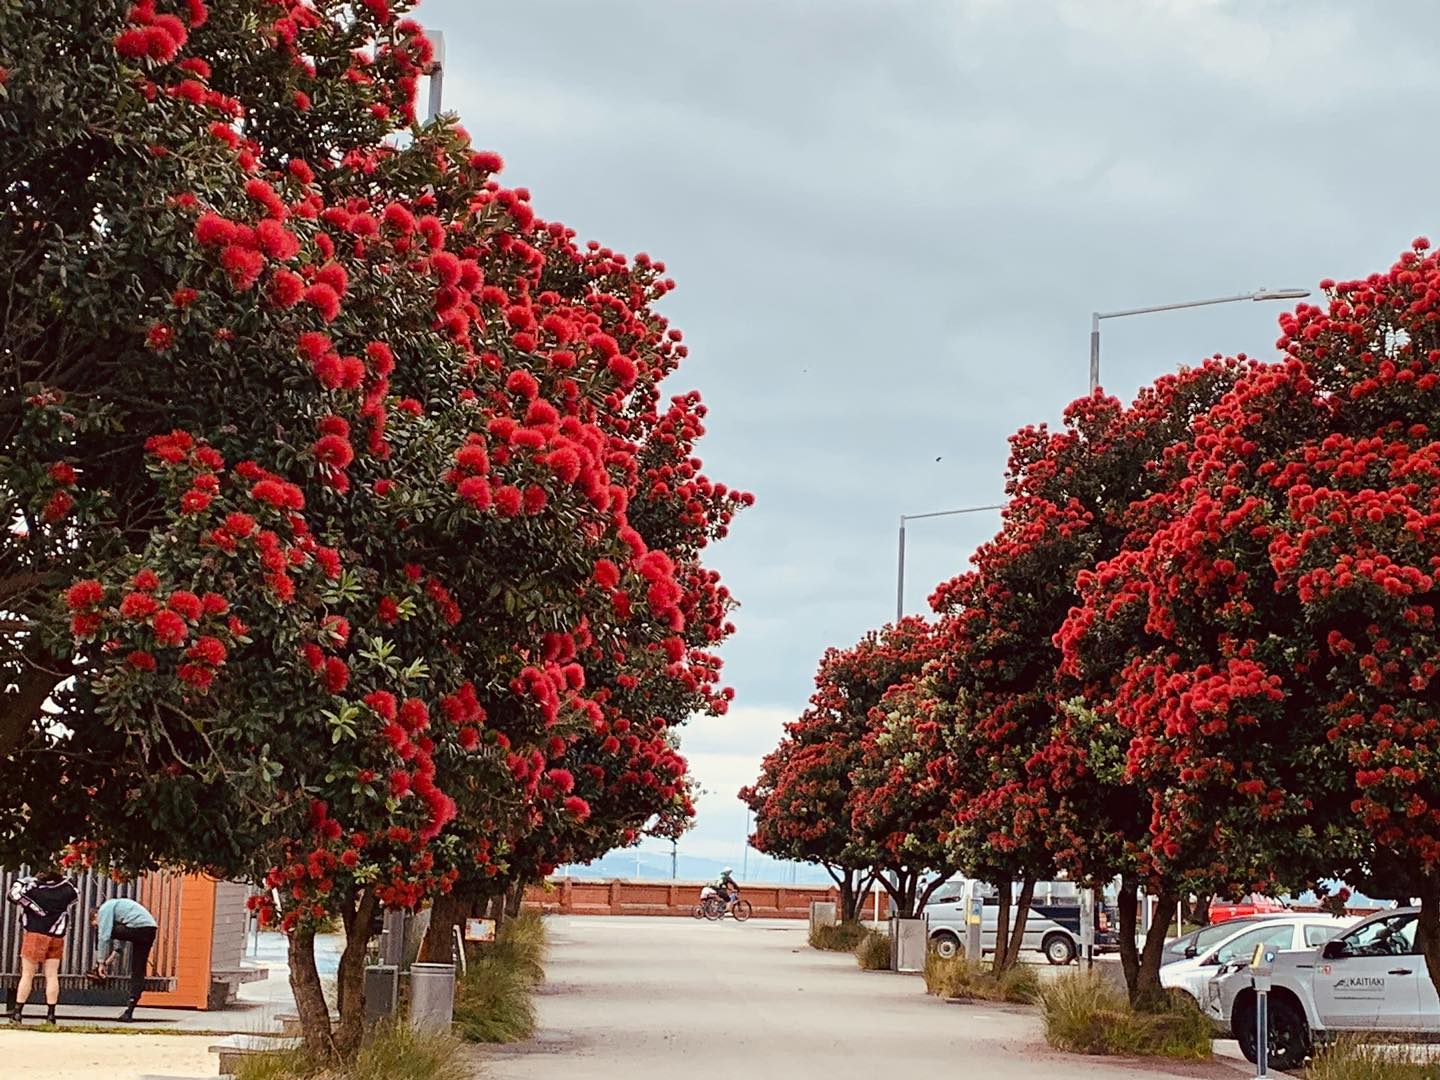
point(44, 901)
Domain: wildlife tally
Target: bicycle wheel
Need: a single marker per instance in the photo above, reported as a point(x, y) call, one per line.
point(699, 911)
point(713, 910)
point(742, 910)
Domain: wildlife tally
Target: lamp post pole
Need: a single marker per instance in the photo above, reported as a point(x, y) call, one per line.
point(437, 73)
point(900, 562)
point(1096, 316)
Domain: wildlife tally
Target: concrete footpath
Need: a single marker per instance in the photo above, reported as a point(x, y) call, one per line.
point(639, 998)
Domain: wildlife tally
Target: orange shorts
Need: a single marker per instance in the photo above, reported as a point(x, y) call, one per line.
point(37, 948)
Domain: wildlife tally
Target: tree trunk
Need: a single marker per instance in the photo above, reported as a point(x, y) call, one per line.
point(1428, 930)
point(310, 997)
point(1128, 905)
point(448, 911)
point(847, 895)
point(358, 917)
point(515, 900)
point(1002, 930)
point(1021, 912)
point(1149, 994)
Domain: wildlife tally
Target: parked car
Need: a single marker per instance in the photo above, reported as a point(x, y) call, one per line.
point(1254, 904)
point(1198, 941)
point(1369, 981)
point(1052, 929)
point(1191, 976)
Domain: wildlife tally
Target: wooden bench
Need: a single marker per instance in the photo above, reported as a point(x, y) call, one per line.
point(236, 1048)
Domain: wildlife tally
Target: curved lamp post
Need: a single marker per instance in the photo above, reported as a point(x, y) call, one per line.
point(1096, 316)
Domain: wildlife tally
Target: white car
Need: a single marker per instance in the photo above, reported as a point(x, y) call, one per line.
point(1370, 980)
point(1191, 976)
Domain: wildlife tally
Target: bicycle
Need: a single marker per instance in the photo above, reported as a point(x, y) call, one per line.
point(714, 908)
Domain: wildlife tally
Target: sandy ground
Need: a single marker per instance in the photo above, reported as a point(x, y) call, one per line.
point(37, 1055)
point(642, 998)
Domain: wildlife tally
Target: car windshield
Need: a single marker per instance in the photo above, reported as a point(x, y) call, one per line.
point(1278, 937)
point(1393, 935)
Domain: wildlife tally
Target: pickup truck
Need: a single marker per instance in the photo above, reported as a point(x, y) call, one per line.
point(1369, 982)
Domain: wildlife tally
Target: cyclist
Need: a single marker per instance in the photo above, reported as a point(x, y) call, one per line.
point(726, 888)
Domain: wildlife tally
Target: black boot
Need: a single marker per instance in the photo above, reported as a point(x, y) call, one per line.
point(128, 1016)
point(49, 1014)
point(15, 1013)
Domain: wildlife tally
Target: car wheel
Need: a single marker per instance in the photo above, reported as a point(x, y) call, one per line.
point(1059, 949)
point(946, 945)
point(1289, 1035)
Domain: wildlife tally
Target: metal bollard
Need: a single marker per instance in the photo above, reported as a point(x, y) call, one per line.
point(432, 996)
point(1262, 1033)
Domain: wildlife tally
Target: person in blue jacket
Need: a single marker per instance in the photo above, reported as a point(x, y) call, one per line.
point(122, 919)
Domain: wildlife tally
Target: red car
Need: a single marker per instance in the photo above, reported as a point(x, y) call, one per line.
point(1254, 904)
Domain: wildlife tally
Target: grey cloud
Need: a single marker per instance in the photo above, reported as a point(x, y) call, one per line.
point(890, 221)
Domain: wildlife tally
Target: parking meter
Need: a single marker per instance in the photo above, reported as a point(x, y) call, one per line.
point(1262, 967)
point(1087, 926)
point(974, 916)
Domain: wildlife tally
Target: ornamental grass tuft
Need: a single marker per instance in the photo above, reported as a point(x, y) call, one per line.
point(495, 998)
point(1085, 1014)
point(873, 951)
point(840, 937)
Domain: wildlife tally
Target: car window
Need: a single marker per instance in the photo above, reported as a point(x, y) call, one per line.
point(1393, 935)
point(1243, 946)
point(1318, 934)
point(1210, 936)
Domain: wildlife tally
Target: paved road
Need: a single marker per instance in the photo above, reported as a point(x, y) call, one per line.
point(641, 998)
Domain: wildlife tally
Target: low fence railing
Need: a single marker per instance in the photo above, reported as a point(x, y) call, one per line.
point(159, 892)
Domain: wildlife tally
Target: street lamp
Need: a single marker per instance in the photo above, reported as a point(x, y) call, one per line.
point(437, 73)
point(900, 566)
point(1096, 316)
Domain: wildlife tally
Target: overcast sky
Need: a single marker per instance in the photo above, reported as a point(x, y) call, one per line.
point(891, 220)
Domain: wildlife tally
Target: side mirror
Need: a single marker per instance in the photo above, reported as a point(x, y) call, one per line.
point(1191, 952)
point(1335, 950)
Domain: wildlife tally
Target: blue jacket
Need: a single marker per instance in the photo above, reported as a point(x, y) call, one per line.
point(119, 912)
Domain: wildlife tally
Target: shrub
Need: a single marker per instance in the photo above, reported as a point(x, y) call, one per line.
point(1352, 1060)
point(494, 1000)
point(962, 978)
point(1085, 1014)
point(873, 951)
point(393, 1051)
point(841, 937)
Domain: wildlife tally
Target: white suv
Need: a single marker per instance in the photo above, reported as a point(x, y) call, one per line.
point(1369, 980)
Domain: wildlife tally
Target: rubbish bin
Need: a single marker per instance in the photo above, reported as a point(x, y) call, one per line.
point(907, 945)
point(822, 913)
point(432, 996)
point(382, 990)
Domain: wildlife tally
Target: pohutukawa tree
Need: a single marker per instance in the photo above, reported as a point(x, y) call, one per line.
point(805, 798)
point(333, 468)
point(902, 794)
point(1279, 638)
point(1036, 783)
